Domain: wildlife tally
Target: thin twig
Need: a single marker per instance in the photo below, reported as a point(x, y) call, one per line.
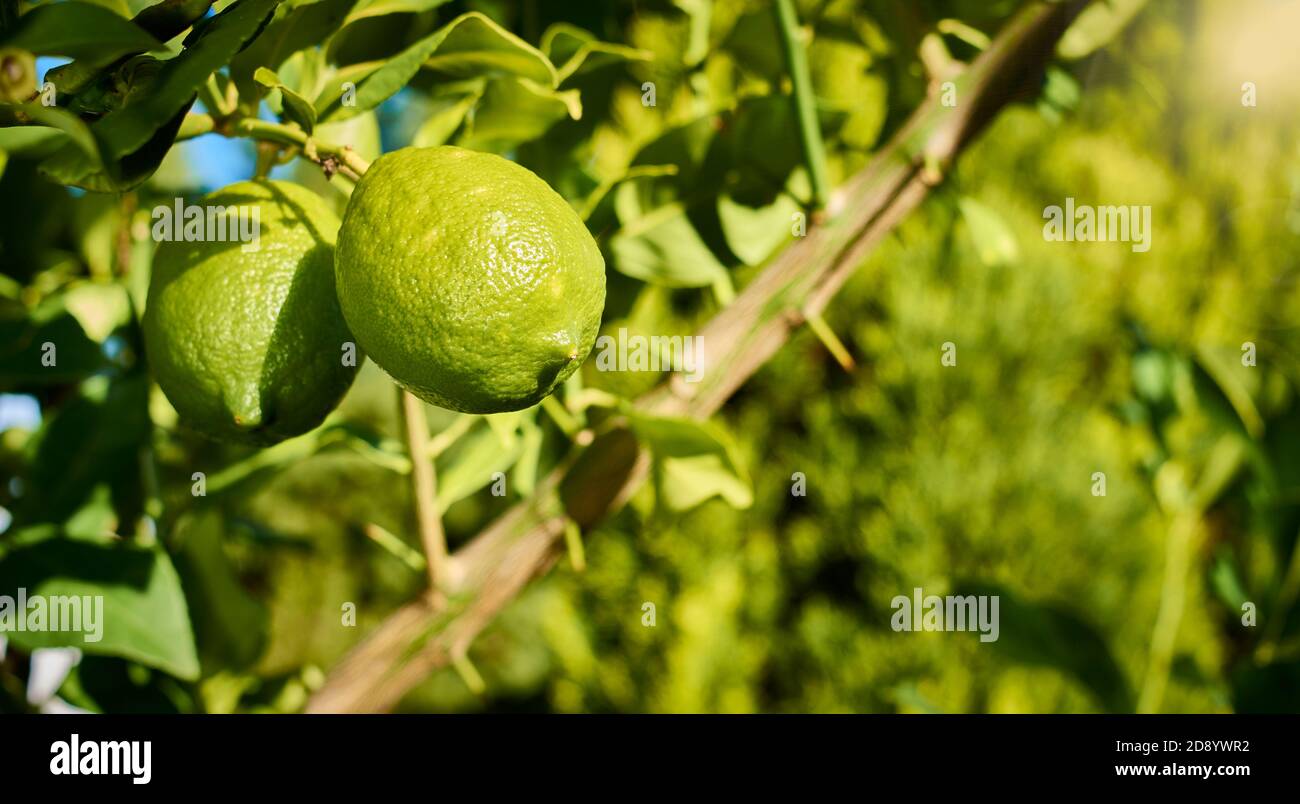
point(424, 488)
point(805, 103)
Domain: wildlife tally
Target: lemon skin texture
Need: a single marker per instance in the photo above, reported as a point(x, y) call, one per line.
point(468, 279)
point(249, 346)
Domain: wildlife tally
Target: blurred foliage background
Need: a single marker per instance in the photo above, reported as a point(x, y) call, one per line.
point(1072, 359)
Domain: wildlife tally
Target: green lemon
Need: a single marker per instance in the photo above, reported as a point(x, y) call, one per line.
point(246, 338)
point(468, 279)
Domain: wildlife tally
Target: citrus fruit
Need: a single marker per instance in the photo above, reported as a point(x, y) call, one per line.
point(248, 343)
point(468, 279)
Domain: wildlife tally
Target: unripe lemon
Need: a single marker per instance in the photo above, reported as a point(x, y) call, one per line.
point(468, 279)
point(250, 345)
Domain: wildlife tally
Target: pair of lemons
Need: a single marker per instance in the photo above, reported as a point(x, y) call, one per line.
point(461, 274)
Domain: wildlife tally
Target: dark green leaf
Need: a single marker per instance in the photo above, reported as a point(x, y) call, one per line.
point(130, 128)
point(23, 335)
point(144, 615)
point(88, 443)
point(230, 625)
point(79, 31)
point(291, 29)
point(171, 17)
point(296, 107)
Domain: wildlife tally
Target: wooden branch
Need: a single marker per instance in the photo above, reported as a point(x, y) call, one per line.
point(525, 542)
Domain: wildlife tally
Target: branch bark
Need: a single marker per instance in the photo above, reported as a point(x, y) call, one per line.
point(524, 543)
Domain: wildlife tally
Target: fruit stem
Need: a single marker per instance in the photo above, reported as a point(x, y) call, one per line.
point(561, 417)
point(805, 104)
point(424, 488)
point(341, 157)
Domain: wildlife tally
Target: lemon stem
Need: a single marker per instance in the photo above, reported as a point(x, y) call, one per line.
point(424, 488)
point(561, 417)
point(331, 157)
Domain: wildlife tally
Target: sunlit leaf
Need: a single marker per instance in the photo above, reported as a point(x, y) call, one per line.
point(469, 46)
point(664, 248)
point(516, 110)
point(694, 462)
point(295, 107)
point(144, 615)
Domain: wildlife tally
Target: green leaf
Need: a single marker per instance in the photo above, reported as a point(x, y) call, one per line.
point(230, 625)
point(170, 18)
point(694, 461)
point(469, 465)
point(93, 440)
point(474, 45)
point(378, 8)
point(596, 200)
point(144, 614)
point(292, 29)
point(127, 130)
point(842, 82)
point(1061, 93)
point(1053, 636)
point(1097, 25)
point(296, 107)
point(100, 307)
point(469, 46)
point(1225, 378)
point(753, 40)
point(72, 166)
point(79, 31)
point(577, 52)
point(664, 248)
point(753, 233)
point(517, 110)
point(994, 241)
point(448, 114)
point(31, 141)
point(23, 335)
point(78, 133)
